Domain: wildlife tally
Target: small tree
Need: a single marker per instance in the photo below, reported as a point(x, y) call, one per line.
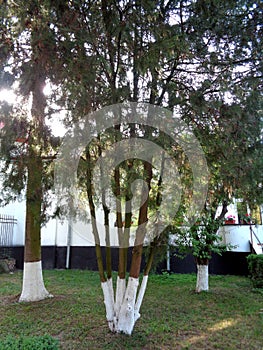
point(204, 240)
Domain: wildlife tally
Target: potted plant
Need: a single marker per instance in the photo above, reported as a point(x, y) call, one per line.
point(247, 219)
point(230, 220)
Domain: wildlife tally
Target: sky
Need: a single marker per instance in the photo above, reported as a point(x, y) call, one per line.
point(9, 96)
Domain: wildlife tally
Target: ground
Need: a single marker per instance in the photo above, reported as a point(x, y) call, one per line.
point(173, 316)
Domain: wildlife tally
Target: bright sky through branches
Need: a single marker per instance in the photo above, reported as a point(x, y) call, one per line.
point(9, 96)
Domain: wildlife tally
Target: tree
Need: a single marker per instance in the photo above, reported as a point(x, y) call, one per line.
point(111, 50)
point(198, 58)
point(128, 177)
point(201, 240)
point(234, 157)
point(26, 140)
point(231, 135)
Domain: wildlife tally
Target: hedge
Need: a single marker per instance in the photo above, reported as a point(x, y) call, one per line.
point(255, 268)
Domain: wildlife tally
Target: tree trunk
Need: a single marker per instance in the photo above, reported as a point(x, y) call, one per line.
point(127, 312)
point(130, 307)
point(33, 286)
point(122, 314)
point(202, 278)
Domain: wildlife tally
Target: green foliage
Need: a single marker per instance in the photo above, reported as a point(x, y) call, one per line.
point(248, 219)
point(255, 268)
point(45, 342)
point(205, 239)
point(201, 239)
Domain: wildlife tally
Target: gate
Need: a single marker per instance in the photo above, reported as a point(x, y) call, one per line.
point(7, 223)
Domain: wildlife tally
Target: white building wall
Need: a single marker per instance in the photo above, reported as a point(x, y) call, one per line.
point(18, 210)
point(56, 232)
point(240, 235)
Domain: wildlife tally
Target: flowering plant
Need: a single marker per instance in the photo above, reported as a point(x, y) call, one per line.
point(230, 218)
point(247, 219)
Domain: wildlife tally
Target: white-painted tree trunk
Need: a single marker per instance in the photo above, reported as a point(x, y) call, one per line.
point(108, 294)
point(202, 278)
point(126, 315)
point(33, 285)
point(120, 292)
point(140, 297)
point(123, 314)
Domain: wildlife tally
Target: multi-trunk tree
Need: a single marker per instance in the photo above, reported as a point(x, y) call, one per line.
point(200, 59)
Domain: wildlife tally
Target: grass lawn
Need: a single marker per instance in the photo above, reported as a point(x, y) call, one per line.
point(173, 316)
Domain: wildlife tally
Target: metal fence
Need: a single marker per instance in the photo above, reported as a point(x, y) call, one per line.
point(7, 223)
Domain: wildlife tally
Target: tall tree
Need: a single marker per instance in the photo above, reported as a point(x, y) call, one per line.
point(199, 58)
point(29, 151)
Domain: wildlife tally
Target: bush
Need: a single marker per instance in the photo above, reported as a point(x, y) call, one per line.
point(45, 342)
point(255, 268)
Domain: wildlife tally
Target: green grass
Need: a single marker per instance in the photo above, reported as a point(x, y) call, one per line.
point(229, 316)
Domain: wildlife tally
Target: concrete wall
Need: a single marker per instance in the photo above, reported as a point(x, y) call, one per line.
point(232, 263)
point(56, 243)
point(56, 232)
point(240, 236)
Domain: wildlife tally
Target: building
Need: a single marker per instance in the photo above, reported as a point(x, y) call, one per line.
point(71, 244)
